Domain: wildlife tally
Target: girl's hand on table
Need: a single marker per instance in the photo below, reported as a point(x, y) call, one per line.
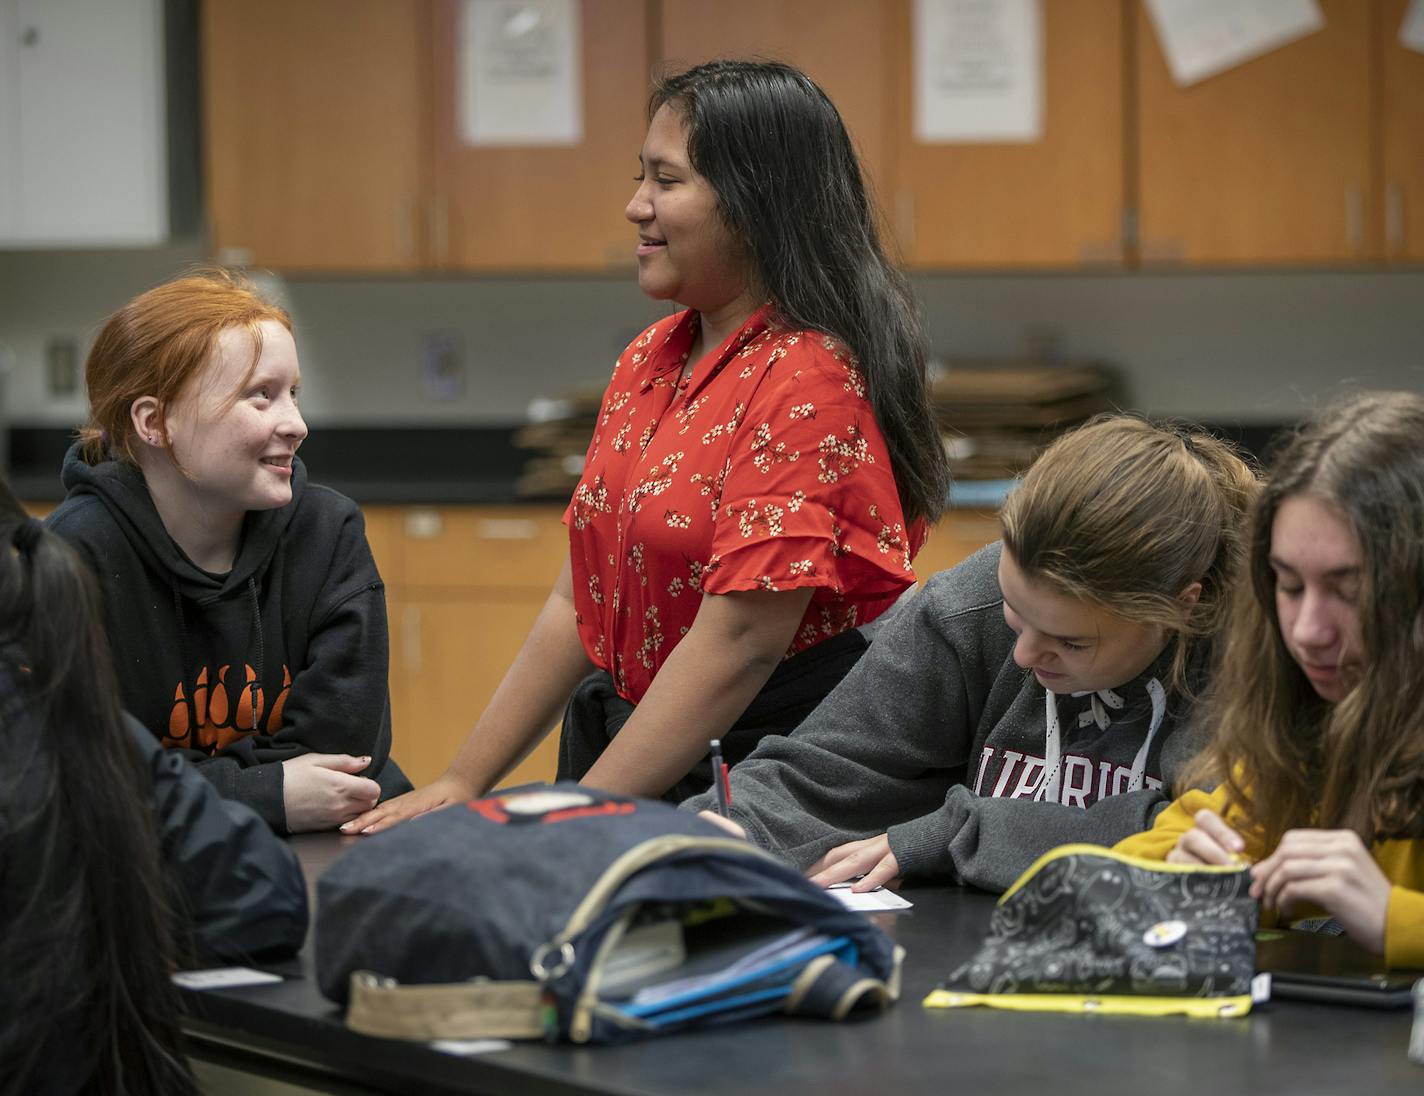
point(441, 792)
point(320, 791)
point(1331, 869)
point(871, 859)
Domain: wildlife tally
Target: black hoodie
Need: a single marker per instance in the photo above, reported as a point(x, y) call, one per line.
point(285, 654)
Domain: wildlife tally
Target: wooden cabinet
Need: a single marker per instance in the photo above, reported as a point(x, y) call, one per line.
point(1401, 138)
point(1057, 202)
point(959, 534)
point(546, 208)
point(463, 587)
point(1268, 162)
point(332, 144)
point(316, 133)
point(841, 44)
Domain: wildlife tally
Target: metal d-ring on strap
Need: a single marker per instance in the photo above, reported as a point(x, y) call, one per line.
point(538, 961)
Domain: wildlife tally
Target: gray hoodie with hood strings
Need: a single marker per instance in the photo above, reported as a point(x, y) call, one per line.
point(938, 738)
point(285, 654)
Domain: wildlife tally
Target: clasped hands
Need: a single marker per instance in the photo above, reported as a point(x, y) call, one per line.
point(1331, 869)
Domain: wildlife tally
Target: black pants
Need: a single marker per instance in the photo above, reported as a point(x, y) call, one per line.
point(596, 713)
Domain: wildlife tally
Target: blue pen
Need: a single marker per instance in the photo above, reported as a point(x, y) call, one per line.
point(719, 775)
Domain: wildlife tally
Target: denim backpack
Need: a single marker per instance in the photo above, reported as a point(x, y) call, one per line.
point(564, 912)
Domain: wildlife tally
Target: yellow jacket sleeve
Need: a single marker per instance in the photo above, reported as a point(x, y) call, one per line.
point(1174, 820)
point(1404, 928)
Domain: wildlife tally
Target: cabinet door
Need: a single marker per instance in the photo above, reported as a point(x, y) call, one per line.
point(449, 653)
point(384, 533)
point(464, 585)
point(1267, 162)
point(83, 148)
point(494, 548)
point(841, 44)
point(1056, 202)
point(959, 534)
point(316, 132)
point(1402, 138)
point(555, 207)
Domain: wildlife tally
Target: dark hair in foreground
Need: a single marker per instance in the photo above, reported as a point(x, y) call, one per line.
point(87, 940)
point(789, 188)
point(1288, 757)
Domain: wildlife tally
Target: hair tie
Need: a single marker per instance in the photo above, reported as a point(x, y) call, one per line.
point(27, 534)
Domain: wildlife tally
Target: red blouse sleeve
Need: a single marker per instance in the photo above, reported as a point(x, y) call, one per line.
point(809, 497)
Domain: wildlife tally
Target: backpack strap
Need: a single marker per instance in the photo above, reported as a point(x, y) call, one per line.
point(829, 988)
point(479, 1009)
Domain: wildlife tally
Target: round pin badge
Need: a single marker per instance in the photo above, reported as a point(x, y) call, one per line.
point(1164, 934)
point(543, 802)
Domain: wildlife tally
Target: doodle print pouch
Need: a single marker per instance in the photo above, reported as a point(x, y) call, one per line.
point(1086, 929)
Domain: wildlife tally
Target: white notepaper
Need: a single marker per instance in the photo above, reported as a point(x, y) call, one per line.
point(978, 71)
point(868, 901)
point(467, 1047)
point(1411, 31)
point(1203, 37)
point(224, 978)
point(519, 73)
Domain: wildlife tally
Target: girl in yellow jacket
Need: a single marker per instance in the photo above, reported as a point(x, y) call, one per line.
point(1319, 707)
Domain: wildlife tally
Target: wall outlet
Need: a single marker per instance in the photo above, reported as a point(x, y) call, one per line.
point(62, 367)
point(442, 365)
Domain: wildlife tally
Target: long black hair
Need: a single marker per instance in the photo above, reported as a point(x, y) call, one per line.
point(789, 187)
point(87, 933)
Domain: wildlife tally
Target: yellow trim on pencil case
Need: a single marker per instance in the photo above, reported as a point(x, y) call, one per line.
point(1209, 1008)
point(1121, 858)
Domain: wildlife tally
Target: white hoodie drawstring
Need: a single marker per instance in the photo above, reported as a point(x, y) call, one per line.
point(1159, 712)
point(1103, 701)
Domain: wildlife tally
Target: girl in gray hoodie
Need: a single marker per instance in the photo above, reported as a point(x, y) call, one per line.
point(1038, 693)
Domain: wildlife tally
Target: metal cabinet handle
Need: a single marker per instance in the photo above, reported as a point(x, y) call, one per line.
point(440, 227)
point(1393, 217)
point(1354, 218)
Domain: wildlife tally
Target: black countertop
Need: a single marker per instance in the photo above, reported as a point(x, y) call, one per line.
point(290, 1032)
point(412, 465)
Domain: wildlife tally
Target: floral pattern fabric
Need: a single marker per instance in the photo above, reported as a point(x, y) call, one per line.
point(762, 470)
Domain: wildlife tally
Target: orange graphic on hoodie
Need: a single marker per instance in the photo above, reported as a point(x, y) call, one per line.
point(221, 712)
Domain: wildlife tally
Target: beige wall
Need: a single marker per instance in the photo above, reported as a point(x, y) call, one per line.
point(1253, 347)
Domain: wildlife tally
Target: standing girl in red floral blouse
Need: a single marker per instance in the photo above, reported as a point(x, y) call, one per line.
point(763, 468)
